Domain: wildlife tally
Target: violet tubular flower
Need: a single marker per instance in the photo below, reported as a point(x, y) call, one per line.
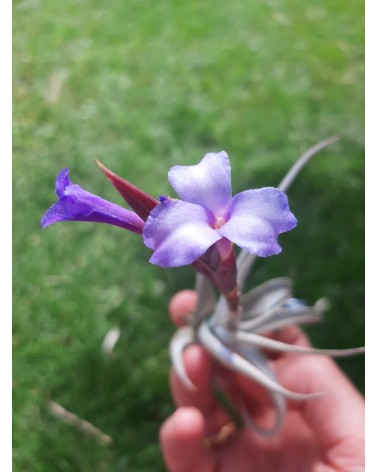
point(180, 231)
point(76, 204)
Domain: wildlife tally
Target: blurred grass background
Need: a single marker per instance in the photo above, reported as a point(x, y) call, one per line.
point(142, 86)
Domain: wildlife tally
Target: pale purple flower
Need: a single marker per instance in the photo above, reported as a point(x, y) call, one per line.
point(76, 204)
point(180, 231)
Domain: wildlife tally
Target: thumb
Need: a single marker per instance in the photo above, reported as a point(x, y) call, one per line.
point(181, 438)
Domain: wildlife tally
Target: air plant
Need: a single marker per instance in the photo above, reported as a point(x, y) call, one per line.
point(202, 229)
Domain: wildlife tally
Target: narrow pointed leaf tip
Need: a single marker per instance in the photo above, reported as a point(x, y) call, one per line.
point(76, 204)
point(140, 201)
point(180, 231)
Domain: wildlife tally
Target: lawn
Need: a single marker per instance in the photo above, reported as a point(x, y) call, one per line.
point(142, 86)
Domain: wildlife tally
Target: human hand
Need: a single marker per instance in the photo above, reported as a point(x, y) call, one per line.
point(320, 435)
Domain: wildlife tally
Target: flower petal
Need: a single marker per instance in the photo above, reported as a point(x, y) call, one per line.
point(207, 184)
point(256, 219)
point(62, 182)
point(76, 204)
point(178, 232)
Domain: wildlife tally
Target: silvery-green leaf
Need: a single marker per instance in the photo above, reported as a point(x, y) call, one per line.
point(182, 338)
point(293, 311)
point(282, 321)
point(265, 296)
point(231, 357)
point(206, 298)
point(244, 265)
point(256, 340)
point(220, 314)
point(278, 401)
point(302, 161)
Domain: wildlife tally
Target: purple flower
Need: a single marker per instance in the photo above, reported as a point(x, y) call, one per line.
point(180, 231)
point(76, 204)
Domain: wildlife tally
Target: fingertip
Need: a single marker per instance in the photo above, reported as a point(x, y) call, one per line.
point(181, 439)
point(182, 305)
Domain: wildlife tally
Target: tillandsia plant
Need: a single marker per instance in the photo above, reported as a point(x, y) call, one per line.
point(203, 229)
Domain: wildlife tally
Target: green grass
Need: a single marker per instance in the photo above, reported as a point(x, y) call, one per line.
point(144, 85)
